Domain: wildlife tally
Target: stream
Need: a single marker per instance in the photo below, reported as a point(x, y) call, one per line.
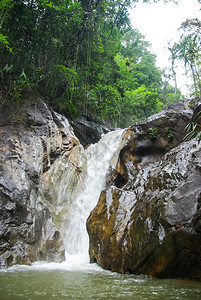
point(76, 278)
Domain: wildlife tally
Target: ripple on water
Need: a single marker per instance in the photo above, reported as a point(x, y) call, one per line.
point(55, 281)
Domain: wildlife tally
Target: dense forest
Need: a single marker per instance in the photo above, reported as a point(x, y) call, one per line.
point(83, 57)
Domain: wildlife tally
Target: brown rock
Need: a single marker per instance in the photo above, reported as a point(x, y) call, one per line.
point(151, 224)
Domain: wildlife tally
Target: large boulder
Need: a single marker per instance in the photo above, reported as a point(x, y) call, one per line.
point(148, 220)
point(39, 163)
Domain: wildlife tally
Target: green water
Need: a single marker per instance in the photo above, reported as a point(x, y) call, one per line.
point(90, 283)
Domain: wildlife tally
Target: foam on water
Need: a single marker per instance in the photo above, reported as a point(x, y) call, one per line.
point(74, 263)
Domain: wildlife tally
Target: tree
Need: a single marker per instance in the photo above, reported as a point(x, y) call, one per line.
point(5, 6)
point(138, 80)
point(188, 49)
point(81, 56)
point(143, 102)
point(173, 51)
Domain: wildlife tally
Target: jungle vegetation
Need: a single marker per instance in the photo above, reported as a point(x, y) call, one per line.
point(83, 57)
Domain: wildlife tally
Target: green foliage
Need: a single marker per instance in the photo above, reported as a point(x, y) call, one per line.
point(139, 81)
point(5, 6)
point(144, 101)
point(81, 56)
point(5, 42)
point(188, 50)
point(168, 94)
point(170, 133)
point(153, 132)
point(194, 129)
point(104, 102)
point(193, 132)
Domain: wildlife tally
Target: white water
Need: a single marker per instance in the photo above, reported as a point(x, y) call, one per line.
point(98, 159)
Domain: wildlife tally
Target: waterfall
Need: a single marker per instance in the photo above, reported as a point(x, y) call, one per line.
point(98, 160)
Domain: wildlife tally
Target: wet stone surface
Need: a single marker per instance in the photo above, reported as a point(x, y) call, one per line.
point(35, 144)
point(150, 224)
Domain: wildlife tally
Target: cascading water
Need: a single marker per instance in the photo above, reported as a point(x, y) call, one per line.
point(98, 160)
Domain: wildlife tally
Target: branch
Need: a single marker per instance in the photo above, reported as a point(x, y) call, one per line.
point(121, 6)
point(190, 22)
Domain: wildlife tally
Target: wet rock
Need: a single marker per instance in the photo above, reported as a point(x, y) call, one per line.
point(163, 131)
point(151, 226)
point(39, 159)
point(89, 131)
point(148, 221)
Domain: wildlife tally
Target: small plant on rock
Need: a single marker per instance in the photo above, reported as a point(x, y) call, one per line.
point(194, 130)
point(153, 132)
point(170, 134)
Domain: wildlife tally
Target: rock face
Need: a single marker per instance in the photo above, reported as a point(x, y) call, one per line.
point(41, 163)
point(148, 221)
point(89, 131)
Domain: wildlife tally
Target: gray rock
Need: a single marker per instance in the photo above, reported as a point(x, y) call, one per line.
point(35, 145)
point(89, 131)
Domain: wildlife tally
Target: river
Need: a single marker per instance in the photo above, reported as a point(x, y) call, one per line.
point(76, 278)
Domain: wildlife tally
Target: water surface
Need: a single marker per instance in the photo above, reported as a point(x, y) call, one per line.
point(61, 281)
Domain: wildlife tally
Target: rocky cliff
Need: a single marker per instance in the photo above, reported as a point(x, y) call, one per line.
point(41, 164)
point(148, 220)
